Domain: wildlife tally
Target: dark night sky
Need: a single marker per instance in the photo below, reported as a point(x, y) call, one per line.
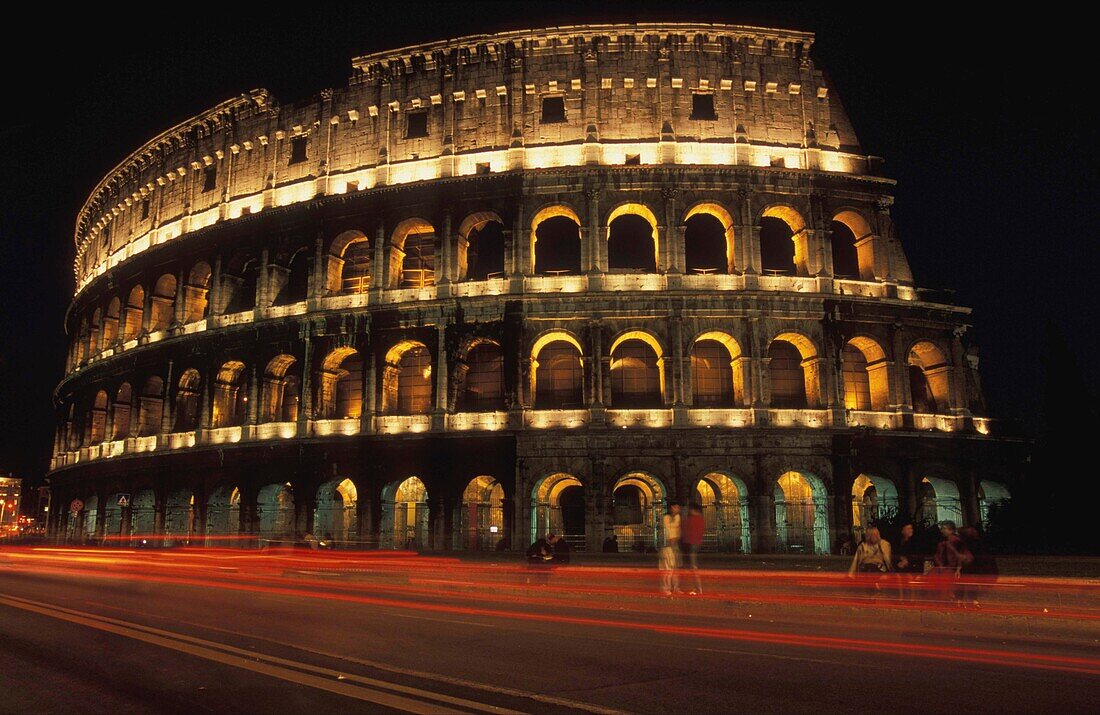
point(980, 123)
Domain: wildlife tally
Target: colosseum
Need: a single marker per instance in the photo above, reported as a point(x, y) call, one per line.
point(510, 284)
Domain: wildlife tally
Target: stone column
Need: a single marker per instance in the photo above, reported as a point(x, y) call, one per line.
point(305, 414)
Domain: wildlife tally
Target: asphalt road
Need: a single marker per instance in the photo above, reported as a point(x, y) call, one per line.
point(90, 638)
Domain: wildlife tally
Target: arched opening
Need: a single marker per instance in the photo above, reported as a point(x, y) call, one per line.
point(938, 500)
point(725, 506)
point(152, 406)
point(195, 300)
point(801, 514)
point(281, 388)
point(241, 289)
point(856, 245)
point(413, 254)
point(407, 380)
point(143, 515)
point(230, 396)
point(90, 516)
point(632, 240)
point(558, 371)
point(113, 525)
point(336, 517)
point(784, 245)
point(340, 385)
point(135, 309)
point(350, 264)
point(481, 388)
point(556, 241)
point(295, 288)
point(121, 410)
point(179, 517)
point(275, 512)
point(91, 344)
point(637, 505)
point(485, 250)
point(991, 496)
point(188, 397)
point(865, 372)
point(110, 322)
point(163, 305)
point(708, 240)
point(845, 256)
point(788, 381)
point(873, 499)
point(929, 379)
point(405, 515)
point(716, 380)
point(223, 516)
point(636, 379)
point(97, 419)
point(558, 507)
point(481, 522)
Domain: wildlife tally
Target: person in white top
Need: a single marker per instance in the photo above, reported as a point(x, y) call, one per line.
point(668, 559)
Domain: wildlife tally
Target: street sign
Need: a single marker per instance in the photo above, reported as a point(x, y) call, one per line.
point(75, 506)
point(124, 500)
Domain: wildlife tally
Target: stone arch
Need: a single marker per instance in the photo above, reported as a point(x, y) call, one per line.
point(290, 284)
point(857, 243)
point(91, 344)
point(632, 241)
point(163, 304)
point(348, 269)
point(281, 387)
point(121, 411)
point(550, 514)
point(638, 502)
point(480, 251)
point(794, 371)
point(724, 499)
point(709, 242)
point(717, 373)
point(479, 377)
point(784, 241)
point(135, 310)
point(873, 498)
point(557, 371)
point(223, 516)
point(275, 513)
point(801, 513)
point(560, 251)
point(336, 515)
point(405, 514)
point(91, 515)
point(240, 284)
point(111, 318)
point(407, 379)
point(637, 375)
point(152, 406)
point(866, 374)
point(412, 254)
point(143, 515)
point(195, 294)
point(188, 398)
point(481, 519)
point(938, 501)
point(179, 517)
point(340, 385)
point(929, 378)
point(991, 496)
point(97, 419)
point(230, 408)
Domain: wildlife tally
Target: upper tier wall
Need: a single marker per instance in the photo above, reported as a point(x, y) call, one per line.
point(628, 94)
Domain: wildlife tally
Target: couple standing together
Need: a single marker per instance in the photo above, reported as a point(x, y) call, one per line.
point(683, 537)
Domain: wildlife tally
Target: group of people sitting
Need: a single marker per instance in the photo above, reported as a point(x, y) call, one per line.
point(957, 569)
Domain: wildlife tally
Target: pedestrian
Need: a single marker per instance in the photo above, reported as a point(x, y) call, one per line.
point(611, 544)
point(691, 540)
point(908, 561)
point(872, 559)
point(562, 551)
point(668, 559)
point(981, 572)
point(951, 556)
point(540, 555)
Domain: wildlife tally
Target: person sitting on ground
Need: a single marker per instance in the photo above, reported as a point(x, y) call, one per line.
point(542, 551)
point(872, 556)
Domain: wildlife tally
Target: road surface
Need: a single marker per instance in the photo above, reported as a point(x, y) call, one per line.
point(120, 631)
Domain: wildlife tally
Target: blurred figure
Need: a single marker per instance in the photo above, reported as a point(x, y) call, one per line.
point(611, 544)
point(539, 556)
point(908, 561)
point(562, 551)
point(980, 573)
point(872, 560)
point(668, 559)
point(951, 556)
point(328, 542)
point(691, 540)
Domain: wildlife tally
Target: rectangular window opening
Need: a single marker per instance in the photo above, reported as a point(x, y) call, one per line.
point(702, 106)
point(209, 178)
point(553, 109)
point(145, 209)
point(416, 125)
point(297, 150)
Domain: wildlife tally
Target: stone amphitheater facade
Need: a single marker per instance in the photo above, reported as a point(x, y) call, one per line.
point(509, 284)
